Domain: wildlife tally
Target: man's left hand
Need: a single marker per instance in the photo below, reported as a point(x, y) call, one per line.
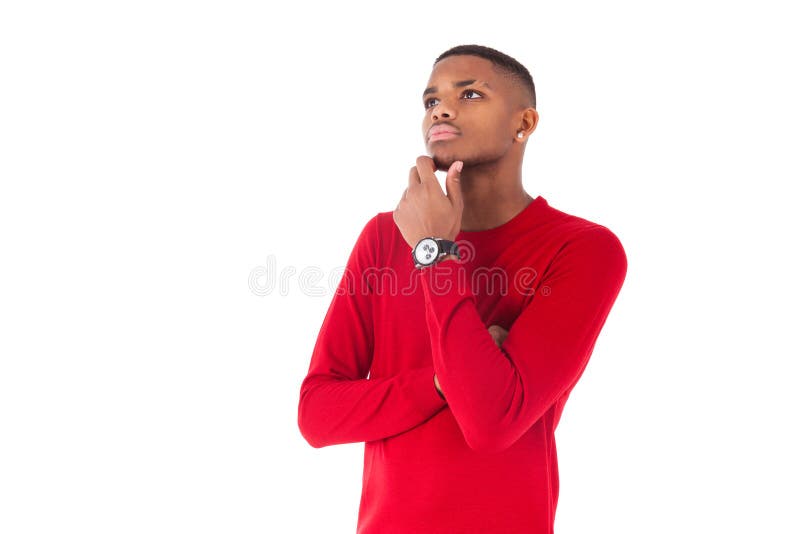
point(425, 210)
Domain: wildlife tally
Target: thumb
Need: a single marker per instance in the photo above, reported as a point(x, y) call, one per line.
point(452, 182)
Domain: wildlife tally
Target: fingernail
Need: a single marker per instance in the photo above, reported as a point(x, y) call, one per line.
point(459, 166)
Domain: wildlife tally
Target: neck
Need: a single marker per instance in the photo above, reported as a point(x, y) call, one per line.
point(492, 195)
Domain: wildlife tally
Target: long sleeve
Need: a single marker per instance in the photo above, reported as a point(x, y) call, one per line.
point(497, 393)
point(338, 404)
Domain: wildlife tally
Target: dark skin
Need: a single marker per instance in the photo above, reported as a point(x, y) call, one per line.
point(493, 122)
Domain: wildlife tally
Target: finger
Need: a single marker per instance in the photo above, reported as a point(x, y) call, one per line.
point(413, 177)
point(503, 335)
point(453, 185)
point(499, 334)
point(426, 169)
point(493, 332)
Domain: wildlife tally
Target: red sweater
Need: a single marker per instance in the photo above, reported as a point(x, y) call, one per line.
point(483, 460)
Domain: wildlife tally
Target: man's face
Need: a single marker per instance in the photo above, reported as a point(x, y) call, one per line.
point(482, 116)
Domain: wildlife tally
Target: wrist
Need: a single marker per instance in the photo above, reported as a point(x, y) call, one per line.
point(431, 250)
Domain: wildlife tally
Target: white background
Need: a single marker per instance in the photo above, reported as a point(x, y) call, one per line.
point(154, 155)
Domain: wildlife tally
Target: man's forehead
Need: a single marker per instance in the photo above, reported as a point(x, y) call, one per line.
point(463, 68)
point(456, 71)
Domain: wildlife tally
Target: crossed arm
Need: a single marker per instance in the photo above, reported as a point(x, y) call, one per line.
point(495, 393)
point(499, 335)
point(338, 403)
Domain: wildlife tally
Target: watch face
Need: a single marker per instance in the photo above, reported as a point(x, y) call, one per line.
point(426, 251)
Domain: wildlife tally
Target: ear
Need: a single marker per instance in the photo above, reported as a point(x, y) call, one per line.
point(528, 122)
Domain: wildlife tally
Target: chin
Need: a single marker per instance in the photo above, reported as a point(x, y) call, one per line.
point(443, 161)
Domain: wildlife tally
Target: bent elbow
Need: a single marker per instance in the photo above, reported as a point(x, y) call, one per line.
point(313, 440)
point(308, 429)
point(488, 440)
point(309, 435)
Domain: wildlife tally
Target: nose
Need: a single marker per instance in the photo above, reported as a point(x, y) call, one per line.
point(441, 110)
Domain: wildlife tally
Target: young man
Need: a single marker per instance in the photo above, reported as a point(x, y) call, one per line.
point(463, 321)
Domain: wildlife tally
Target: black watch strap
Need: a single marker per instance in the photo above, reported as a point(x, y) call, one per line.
point(450, 247)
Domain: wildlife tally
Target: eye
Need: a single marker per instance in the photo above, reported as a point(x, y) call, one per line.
point(428, 101)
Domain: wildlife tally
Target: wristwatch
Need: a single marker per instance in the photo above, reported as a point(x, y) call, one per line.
point(431, 250)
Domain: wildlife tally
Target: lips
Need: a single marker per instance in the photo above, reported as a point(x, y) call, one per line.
point(441, 131)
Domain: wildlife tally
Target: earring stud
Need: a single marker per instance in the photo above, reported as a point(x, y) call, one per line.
point(519, 134)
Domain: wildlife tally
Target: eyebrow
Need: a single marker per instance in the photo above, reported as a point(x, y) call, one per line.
point(462, 83)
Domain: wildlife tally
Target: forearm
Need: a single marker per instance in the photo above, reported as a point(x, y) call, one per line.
point(333, 411)
point(497, 392)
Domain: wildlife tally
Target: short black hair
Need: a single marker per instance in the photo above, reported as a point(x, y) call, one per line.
point(507, 64)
